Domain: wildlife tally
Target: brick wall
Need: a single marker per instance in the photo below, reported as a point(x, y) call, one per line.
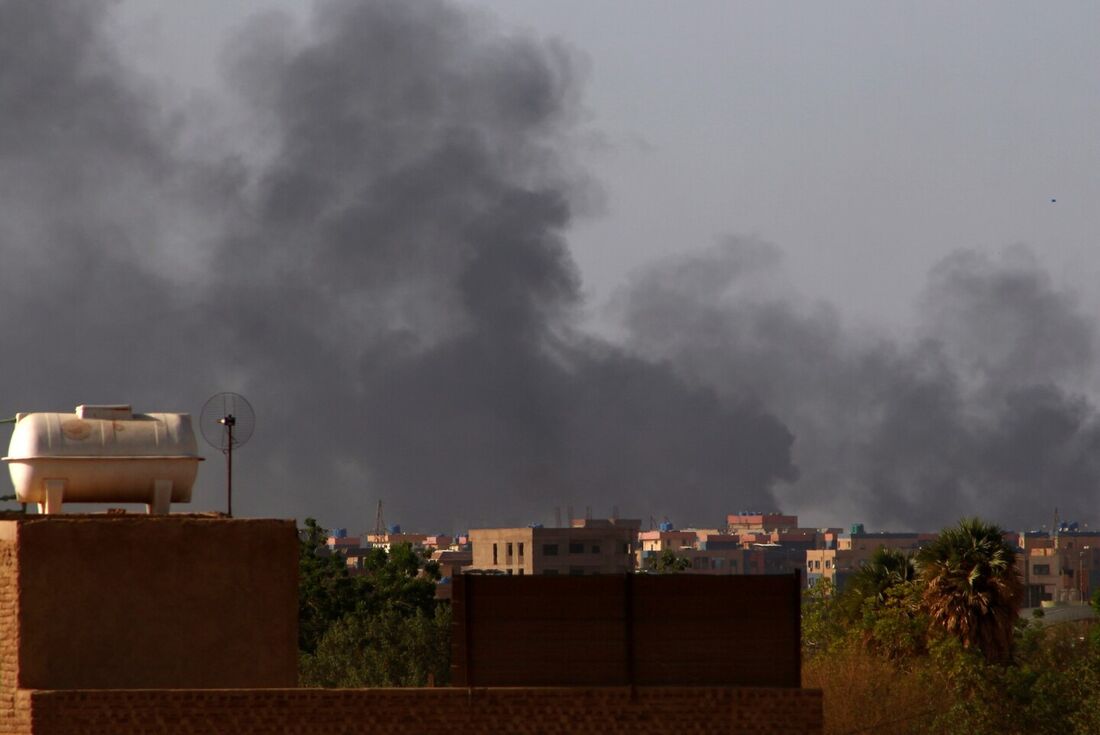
point(149, 601)
point(108, 601)
point(14, 705)
point(551, 711)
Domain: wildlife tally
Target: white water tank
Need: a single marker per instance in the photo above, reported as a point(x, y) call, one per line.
point(103, 454)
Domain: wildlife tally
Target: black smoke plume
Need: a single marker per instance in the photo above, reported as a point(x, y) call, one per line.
point(379, 264)
point(372, 248)
point(982, 411)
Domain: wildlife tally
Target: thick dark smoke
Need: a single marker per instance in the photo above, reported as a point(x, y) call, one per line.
point(982, 411)
point(374, 253)
point(379, 265)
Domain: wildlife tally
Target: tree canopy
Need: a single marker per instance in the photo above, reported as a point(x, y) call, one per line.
point(379, 627)
point(972, 588)
point(667, 562)
point(944, 650)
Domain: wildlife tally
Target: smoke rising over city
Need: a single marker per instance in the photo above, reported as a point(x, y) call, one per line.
point(373, 247)
point(981, 411)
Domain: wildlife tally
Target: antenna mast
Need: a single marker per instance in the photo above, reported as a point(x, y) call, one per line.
point(229, 421)
point(226, 423)
point(379, 522)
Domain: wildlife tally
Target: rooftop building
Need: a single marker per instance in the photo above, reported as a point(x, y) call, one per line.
point(605, 546)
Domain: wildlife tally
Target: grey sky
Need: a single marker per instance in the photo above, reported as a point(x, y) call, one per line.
point(866, 139)
point(766, 202)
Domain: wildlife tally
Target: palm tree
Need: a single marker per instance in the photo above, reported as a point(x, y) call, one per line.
point(972, 589)
point(886, 569)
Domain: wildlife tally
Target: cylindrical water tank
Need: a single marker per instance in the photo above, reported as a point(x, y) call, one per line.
point(103, 454)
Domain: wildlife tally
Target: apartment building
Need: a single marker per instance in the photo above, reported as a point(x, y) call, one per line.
point(451, 563)
point(750, 521)
point(708, 551)
point(845, 553)
point(1063, 567)
point(587, 546)
point(763, 544)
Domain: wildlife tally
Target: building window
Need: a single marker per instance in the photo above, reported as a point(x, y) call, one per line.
point(733, 565)
point(521, 551)
point(595, 548)
point(626, 548)
point(550, 550)
point(494, 554)
point(1041, 569)
point(508, 572)
point(520, 572)
point(508, 550)
point(576, 548)
point(576, 572)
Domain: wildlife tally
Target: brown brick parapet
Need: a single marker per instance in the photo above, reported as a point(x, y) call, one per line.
point(545, 711)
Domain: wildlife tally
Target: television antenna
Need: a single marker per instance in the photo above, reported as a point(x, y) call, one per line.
point(226, 423)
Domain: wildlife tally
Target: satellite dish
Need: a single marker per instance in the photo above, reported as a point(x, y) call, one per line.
point(226, 423)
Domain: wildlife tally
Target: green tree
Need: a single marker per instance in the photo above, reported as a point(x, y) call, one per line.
point(667, 562)
point(822, 622)
point(971, 587)
point(870, 585)
point(326, 592)
point(383, 648)
point(885, 568)
point(402, 578)
point(380, 627)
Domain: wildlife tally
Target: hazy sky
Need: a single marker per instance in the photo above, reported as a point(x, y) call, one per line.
point(482, 259)
point(865, 139)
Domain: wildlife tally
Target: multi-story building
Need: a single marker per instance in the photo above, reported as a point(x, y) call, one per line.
point(761, 543)
point(845, 553)
point(708, 551)
point(339, 540)
point(1063, 567)
point(355, 550)
point(451, 563)
point(392, 538)
point(753, 522)
point(588, 546)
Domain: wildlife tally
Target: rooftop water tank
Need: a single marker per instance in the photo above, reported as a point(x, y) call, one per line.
point(103, 454)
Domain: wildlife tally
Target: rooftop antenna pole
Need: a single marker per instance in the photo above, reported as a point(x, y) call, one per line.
point(226, 423)
point(230, 421)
